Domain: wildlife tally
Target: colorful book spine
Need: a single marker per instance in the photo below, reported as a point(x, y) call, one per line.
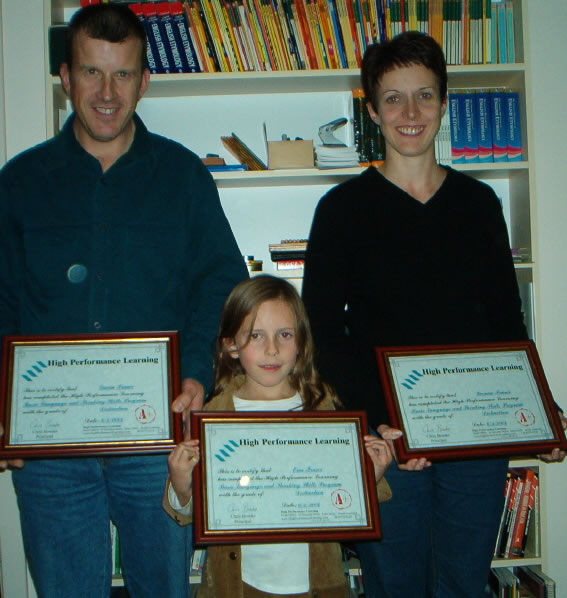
point(155, 37)
point(136, 7)
point(519, 528)
point(510, 35)
point(183, 38)
point(484, 121)
point(174, 49)
point(457, 120)
point(514, 130)
point(501, 23)
point(470, 109)
point(499, 125)
point(174, 54)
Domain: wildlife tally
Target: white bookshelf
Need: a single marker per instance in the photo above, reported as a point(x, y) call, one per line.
point(263, 207)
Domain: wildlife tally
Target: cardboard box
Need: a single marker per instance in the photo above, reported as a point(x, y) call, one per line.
point(289, 154)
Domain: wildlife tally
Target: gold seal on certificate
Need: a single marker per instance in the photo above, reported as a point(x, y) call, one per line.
point(273, 477)
point(89, 394)
point(469, 400)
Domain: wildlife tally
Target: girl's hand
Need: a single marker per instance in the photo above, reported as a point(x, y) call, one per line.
point(380, 453)
point(391, 434)
point(181, 462)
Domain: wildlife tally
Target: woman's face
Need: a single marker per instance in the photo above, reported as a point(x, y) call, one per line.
point(409, 110)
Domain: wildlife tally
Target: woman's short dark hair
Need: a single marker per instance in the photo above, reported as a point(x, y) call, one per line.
point(405, 49)
point(109, 22)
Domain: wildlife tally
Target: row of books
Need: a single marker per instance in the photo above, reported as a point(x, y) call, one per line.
point(485, 126)
point(368, 140)
point(520, 513)
point(170, 48)
point(480, 125)
point(289, 255)
point(474, 31)
point(268, 35)
point(520, 582)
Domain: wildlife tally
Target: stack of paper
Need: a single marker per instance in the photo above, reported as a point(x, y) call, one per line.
point(335, 156)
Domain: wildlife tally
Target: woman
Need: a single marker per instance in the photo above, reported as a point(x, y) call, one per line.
point(413, 253)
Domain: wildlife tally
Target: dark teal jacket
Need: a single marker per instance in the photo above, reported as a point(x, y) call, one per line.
point(142, 246)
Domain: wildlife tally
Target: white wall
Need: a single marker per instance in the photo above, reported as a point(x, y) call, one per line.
point(2, 113)
point(547, 51)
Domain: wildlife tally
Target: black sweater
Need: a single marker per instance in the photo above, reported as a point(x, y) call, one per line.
point(383, 269)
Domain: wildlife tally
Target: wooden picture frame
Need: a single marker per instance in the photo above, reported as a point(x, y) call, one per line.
point(282, 477)
point(468, 401)
point(89, 394)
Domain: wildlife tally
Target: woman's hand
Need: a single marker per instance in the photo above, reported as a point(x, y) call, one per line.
point(181, 462)
point(390, 434)
point(380, 453)
point(556, 455)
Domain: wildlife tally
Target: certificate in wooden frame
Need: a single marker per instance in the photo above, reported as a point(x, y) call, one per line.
point(467, 401)
point(282, 477)
point(89, 394)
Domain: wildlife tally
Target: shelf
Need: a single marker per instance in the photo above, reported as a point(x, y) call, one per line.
point(313, 176)
point(268, 82)
point(522, 562)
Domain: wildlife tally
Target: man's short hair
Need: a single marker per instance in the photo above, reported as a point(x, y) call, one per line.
point(109, 22)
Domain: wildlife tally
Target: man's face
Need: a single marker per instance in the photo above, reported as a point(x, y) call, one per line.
point(104, 84)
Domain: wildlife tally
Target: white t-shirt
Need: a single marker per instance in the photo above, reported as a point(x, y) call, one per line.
point(274, 568)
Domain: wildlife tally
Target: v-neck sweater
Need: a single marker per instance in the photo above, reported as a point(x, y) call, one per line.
point(384, 269)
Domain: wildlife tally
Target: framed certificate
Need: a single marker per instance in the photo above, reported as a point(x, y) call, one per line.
point(282, 477)
point(90, 394)
point(461, 401)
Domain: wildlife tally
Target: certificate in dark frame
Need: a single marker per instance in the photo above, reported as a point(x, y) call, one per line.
point(506, 448)
point(300, 532)
point(117, 446)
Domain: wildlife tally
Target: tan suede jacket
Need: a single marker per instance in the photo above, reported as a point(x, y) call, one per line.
point(221, 575)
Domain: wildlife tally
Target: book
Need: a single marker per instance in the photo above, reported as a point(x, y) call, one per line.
point(242, 152)
point(183, 38)
point(155, 38)
point(513, 127)
point(484, 122)
point(470, 110)
point(517, 539)
point(136, 7)
point(457, 123)
point(499, 126)
point(174, 48)
point(538, 582)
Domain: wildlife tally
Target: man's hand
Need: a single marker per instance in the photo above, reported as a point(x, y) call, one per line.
point(391, 434)
point(556, 455)
point(10, 463)
point(191, 399)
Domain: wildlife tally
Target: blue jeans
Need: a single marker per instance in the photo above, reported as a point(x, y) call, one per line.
point(65, 508)
point(439, 531)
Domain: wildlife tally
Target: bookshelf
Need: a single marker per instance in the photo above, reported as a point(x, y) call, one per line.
point(265, 207)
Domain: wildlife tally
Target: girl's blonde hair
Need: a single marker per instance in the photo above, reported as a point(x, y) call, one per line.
point(245, 299)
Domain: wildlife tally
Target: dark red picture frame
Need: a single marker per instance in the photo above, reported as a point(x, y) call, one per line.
point(10, 450)
point(202, 532)
point(434, 453)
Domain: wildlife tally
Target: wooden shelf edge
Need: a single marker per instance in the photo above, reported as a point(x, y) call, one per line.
point(314, 176)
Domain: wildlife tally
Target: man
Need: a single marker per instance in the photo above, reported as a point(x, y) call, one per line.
point(107, 228)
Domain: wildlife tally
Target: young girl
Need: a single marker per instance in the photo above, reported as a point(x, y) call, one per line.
point(265, 363)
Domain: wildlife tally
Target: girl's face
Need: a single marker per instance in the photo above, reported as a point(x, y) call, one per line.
point(409, 110)
point(267, 350)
